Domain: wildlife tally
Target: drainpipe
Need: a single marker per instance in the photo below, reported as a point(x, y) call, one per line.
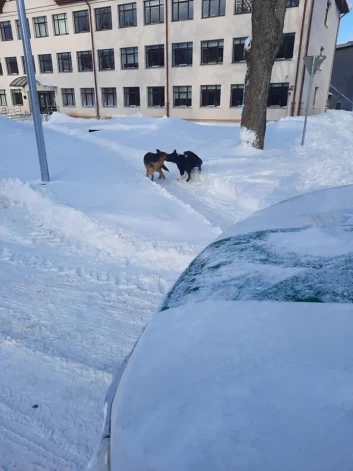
point(298, 59)
point(306, 53)
point(167, 56)
point(93, 59)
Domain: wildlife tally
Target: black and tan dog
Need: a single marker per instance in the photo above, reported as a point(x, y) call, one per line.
point(155, 163)
point(185, 162)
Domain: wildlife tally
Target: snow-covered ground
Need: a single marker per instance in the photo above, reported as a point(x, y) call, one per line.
point(85, 260)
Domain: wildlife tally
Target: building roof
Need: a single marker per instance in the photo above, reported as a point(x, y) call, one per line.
point(344, 45)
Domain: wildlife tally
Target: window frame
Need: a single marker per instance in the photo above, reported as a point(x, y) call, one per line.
point(13, 62)
point(38, 25)
point(5, 28)
point(79, 56)
point(189, 47)
point(237, 86)
point(16, 92)
point(245, 7)
point(151, 48)
point(91, 94)
point(18, 29)
point(127, 91)
point(106, 55)
point(65, 94)
point(177, 3)
point(3, 97)
point(58, 22)
point(106, 93)
point(239, 40)
point(293, 3)
point(155, 90)
point(210, 87)
point(277, 85)
point(285, 47)
point(121, 12)
point(77, 16)
point(46, 61)
point(126, 52)
point(107, 23)
point(177, 92)
point(221, 4)
point(152, 4)
point(205, 47)
point(24, 65)
point(61, 60)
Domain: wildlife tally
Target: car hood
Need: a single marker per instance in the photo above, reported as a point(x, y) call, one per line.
point(238, 386)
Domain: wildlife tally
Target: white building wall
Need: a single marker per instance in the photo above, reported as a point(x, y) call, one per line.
point(195, 31)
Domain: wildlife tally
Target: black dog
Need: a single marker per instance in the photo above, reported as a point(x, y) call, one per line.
point(185, 162)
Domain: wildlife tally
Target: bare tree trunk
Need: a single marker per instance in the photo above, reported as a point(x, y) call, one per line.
point(260, 53)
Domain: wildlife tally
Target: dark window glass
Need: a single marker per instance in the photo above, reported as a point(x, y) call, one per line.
point(155, 97)
point(6, 31)
point(60, 24)
point(64, 62)
point(12, 66)
point(81, 21)
point(85, 61)
point(210, 95)
point(129, 58)
point(103, 18)
point(212, 52)
point(109, 97)
point(211, 8)
point(236, 95)
point(182, 96)
point(183, 10)
point(3, 99)
point(24, 65)
point(68, 95)
point(238, 49)
point(45, 64)
point(278, 95)
point(40, 27)
point(154, 11)
point(155, 56)
point(287, 46)
point(293, 3)
point(88, 97)
point(19, 35)
point(127, 15)
point(182, 54)
point(131, 96)
point(106, 59)
point(242, 6)
point(16, 95)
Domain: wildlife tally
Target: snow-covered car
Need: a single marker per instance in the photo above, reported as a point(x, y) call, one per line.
point(248, 365)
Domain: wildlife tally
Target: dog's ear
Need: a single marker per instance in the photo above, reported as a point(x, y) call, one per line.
point(158, 151)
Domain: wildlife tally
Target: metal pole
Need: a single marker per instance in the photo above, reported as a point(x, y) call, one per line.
point(308, 99)
point(21, 9)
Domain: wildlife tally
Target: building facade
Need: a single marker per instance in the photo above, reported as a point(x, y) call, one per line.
point(177, 58)
point(341, 96)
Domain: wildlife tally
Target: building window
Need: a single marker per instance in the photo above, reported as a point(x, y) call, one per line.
point(212, 52)
point(183, 10)
point(45, 64)
point(12, 66)
point(293, 3)
point(338, 105)
point(287, 46)
point(64, 62)
point(103, 18)
point(210, 95)
point(85, 61)
point(238, 49)
point(81, 21)
point(24, 65)
point(6, 31)
point(60, 24)
point(3, 100)
point(106, 59)
point(40, 27)
point(68, 95)
point(236, 95)
point(109, 97)
point(127, 15)
point(242, 6)
point(155, 56)
point(211, 8)
point(182, 54)
point(278, 95)
point(131, 97)
point(156, 97)
point(129, 58)
point(88, 97)
point(182, 97)
point(16, 95)
point(18, 27)
point(154, 12)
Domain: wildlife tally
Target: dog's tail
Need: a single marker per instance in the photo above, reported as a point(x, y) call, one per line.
point(165, 168)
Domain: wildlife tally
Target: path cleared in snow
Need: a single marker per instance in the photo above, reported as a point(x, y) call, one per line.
point(85, 260)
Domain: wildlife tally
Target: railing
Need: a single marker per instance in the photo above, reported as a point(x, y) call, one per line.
point(19, 113)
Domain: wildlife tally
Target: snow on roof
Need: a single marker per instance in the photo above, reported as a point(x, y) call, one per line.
point(44, 81)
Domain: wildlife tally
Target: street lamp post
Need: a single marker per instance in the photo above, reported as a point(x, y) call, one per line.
point(21, 9)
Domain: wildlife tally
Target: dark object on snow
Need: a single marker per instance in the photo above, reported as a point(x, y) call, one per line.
point(95, 130)
point(35, 406)
point(185, 162)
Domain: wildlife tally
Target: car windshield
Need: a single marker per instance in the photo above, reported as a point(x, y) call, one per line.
point(293, 265)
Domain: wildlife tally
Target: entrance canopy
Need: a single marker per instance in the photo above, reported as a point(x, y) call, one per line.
point(21, 82)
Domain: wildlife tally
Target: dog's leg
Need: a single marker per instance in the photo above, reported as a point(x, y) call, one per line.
point(161, 174)
point(152, 176)
point(181, 176)
point(189, 176)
